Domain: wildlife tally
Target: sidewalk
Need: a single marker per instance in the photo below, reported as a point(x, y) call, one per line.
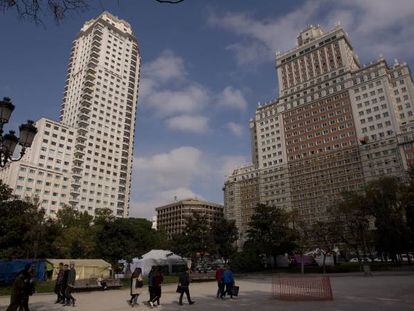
point(353, 293)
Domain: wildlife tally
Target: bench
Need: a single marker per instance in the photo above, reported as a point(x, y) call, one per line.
point(202, 276)
point(92, 284)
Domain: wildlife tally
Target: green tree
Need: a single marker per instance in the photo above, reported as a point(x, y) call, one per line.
point(270, 231)
point(384, 201)
point(196, 238)
point(20, 226)
point(126, 238)
point(225, 235)
point(352, 217)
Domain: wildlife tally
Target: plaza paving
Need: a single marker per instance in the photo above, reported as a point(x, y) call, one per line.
point(386, 291)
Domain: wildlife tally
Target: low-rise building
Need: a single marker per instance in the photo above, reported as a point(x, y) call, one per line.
point(172, 217)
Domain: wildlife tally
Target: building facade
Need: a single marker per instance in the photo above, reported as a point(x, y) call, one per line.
point(335, 126)
point(172, 217)
point(99, 107)
point(100, 102)
point(43, 175)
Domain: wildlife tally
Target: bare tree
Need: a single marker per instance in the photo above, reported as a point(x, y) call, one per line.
point(32, 10)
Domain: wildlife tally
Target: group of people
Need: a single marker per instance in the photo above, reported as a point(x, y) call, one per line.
point(65, 283)
point(23, 287)
point(225, 282)
point(155, 279)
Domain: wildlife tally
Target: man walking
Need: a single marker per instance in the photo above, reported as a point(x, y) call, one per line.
point(58, 285)
point(184, 284)
point(70, 300)
point(228, 282)
point(220, 283)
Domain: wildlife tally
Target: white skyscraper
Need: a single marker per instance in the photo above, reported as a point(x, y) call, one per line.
point(100, 102)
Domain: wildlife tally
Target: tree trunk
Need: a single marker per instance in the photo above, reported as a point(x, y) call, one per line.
point(302, 264)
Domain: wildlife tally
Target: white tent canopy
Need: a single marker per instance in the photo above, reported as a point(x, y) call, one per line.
point(157, 257)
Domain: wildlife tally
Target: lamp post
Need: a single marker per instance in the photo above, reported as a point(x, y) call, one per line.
point(9, 141)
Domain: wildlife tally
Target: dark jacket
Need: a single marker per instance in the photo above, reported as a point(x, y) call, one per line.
point(65, 278)
point(71, 277)
point(18, 287)
point(59, 279)
point(184, 279)
point(158, 279)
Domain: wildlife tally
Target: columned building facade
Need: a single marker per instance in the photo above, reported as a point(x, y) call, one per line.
point(335, 126)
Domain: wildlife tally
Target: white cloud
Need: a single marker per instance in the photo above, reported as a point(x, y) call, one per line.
point(375, 27)
point(168, 102)
point(146, 209)
point(180, 172)
point(168, 170)
point(187, 123)
point(235, 128)
point(232, 98)
point(165, 67)
point(230, 163)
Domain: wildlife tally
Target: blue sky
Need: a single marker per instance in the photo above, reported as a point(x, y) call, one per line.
point(206, 65)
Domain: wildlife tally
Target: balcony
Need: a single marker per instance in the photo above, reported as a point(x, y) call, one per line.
point(77, 172)
point(75, 193)
point(82, 123)
point(85, 109)
point(88, 83)
point(88, 88)
point(86, 96)
point(79, 151)
point(82, 131)
point(84, 117)
point(96, 48)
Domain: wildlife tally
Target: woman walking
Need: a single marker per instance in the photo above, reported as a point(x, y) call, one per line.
point(136, 286)
point(157, 281)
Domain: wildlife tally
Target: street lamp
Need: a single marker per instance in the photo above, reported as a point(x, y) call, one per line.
point(8, 142)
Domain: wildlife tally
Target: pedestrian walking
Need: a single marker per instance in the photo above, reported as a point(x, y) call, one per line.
point(220, 282)
point(228, 280)
point(70, 300)
point(151, 276)
point(156, 287)
point(58, 285)
point(28, 290)
point(64, 284)
point(19, 290)
point(137, 284)
point(184, 287)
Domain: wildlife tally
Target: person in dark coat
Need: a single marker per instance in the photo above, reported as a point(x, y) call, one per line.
point(70, 300)
point(151, 276)
point(64, 284)
point(156, 287)
point(28, 290)
point(19, 295)
point(184, 285)
point(58, 285)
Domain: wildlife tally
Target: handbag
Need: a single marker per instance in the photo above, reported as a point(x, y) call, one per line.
point(235, 291)
point(179, 289)
point(139, 284)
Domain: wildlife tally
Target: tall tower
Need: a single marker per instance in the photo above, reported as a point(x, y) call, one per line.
point(100, 101)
